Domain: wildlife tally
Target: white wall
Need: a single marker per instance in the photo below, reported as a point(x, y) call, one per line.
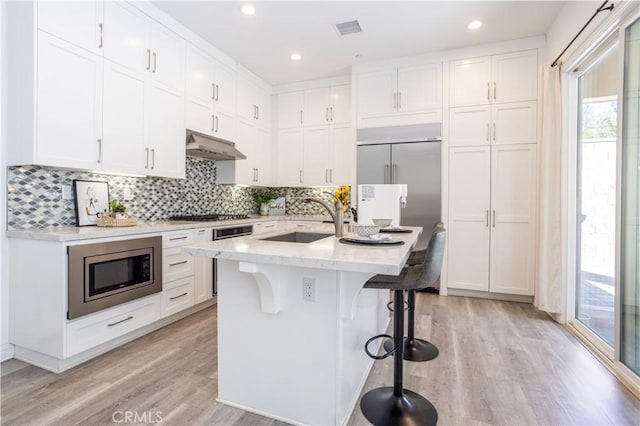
point(6, 349)
point(571, 18)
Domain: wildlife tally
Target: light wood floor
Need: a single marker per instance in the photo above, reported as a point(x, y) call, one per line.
point(500, 363)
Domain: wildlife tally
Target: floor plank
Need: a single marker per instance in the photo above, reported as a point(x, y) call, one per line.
point(500, 363)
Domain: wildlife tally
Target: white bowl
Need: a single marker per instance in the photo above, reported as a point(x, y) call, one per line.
point(382, 222)
point(365, 230)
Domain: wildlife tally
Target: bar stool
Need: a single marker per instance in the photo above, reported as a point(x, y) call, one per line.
point(415, 349)
point(389, 406)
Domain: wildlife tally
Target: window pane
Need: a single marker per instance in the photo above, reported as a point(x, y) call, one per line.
point(630, 253)
point(595, 287)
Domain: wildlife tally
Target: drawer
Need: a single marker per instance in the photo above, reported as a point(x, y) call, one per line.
point(263, 227)
point(178, 297)
point(175, 264)
point(93, 330)
point(177, 238)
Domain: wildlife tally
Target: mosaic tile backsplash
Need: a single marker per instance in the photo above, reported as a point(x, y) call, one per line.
point(34, 195)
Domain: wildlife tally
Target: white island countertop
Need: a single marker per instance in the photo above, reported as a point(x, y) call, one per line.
point(326, 253)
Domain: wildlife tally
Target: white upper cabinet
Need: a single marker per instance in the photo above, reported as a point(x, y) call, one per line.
point(254, 102)
point(78, 22)
point(211, 96)
point(125, 35)
point(406, 95)
point(510, 77)
point(289, 157)
point(69, 107)
point(123, 120)
point(470, 126)
point(166, 56)
point(314, 137)
point(290, 110)
point(470, 82)
point(100, 88)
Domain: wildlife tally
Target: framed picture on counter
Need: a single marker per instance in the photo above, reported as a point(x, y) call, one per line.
point(91, 198)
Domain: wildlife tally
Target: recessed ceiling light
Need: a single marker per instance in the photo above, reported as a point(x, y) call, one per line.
point(248, 9)
point(296, 57)
point(474, 25)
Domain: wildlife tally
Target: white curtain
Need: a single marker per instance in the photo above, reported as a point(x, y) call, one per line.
point(549, 286)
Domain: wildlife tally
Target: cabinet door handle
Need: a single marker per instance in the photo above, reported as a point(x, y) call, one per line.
point(399, 100)
point(395, 99)
point(217, 121)
point(178, 263)
point(217, 92)
point(494, 218)
point(269, 226)
point(146, 163)
point(213, 91)
point(486, 218)
point(494, 90)
point(201, 231)
point(257, 112)
point(494, 132)
point(301, 117)
point(488, 91)
point(101, 36)
point(488, 132)
point(331, 175)
point(99, 150)
point(178, 296)
point(326, 114)
point(121, 321)
point(326, 175)
point(257, 174)
point(300, 176)
point(153, 158)
point(386, 173)
point(155, 61)
point(331, 113)
point(213, 123)
point(148, 59)
point(177, 238)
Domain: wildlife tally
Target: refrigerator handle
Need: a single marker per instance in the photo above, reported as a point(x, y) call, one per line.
point(386, 173)
point(394, 176)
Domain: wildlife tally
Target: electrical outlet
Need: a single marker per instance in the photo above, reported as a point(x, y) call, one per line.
point(127, 195)
point(309, 289)
point(67, 194)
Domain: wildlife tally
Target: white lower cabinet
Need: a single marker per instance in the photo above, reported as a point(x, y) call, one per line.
point(492, 218)
point(178, 296)
point(202, 269)
point(93, 330)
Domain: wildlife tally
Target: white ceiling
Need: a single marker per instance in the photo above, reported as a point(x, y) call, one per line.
point(263, 43)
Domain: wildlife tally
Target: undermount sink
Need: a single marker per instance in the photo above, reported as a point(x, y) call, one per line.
point(298, 237)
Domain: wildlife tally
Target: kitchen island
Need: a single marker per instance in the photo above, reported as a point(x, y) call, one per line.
point(293, 318)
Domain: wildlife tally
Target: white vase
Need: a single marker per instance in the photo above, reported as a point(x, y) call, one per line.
point(264, 209)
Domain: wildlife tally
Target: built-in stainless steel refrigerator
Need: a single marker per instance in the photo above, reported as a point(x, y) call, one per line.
point(416, 164)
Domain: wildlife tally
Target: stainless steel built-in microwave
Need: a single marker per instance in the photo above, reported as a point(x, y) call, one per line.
point(102, 275)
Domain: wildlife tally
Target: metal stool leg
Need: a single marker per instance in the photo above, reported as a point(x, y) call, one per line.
point(417, 350)
point(390, 406)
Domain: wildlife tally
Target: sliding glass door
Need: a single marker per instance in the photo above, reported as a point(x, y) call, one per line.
point(598, 86)
point(630, 226)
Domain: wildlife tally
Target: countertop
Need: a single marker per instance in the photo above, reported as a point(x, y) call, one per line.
point(72, 233)
point(326, 253)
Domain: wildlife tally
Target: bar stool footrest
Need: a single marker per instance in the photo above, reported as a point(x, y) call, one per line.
point(387, 354)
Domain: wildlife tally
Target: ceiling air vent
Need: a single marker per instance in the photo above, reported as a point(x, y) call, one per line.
point(350, 27)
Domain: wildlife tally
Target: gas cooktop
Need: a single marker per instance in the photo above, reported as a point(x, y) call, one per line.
point(210, 217)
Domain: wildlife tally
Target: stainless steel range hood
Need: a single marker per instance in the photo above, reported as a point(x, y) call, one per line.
point(205, 146)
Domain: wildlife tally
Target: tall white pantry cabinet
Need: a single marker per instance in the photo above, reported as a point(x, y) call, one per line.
point(493, 173)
